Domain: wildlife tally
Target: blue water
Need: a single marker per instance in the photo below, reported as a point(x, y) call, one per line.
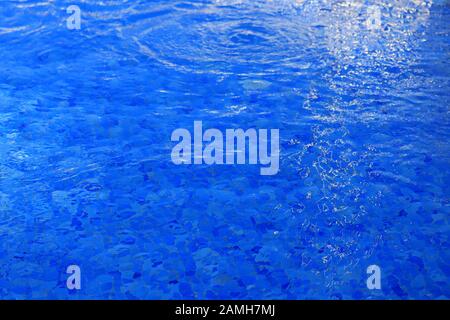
point(86, 176)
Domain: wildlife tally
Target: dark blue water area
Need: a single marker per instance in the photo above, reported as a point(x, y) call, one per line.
point(86, 175)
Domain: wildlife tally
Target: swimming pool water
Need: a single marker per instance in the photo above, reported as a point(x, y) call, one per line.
point(86, 176)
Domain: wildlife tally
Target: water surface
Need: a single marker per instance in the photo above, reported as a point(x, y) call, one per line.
point(86, 176)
